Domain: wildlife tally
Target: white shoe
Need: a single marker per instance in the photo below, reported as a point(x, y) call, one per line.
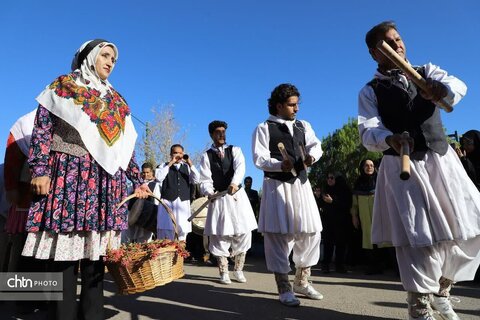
point(239, 276)
point(225, 278)
point(308, 291)
point(288, 298)
point(444, 307)
point(422, 317)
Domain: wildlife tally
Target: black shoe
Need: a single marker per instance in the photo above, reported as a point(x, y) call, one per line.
point(373, 271)
point(325, 269)
point(340, 270)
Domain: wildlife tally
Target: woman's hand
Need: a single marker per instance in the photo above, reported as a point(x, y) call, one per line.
point(461, 153)
point(327, 198)
point(40, 185)
point(143, 191)
point(355, 221)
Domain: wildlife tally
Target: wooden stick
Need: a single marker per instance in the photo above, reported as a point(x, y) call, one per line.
point(411, 73)
point(405, 157)
point(281, 147)
point(303, 154)
point(213, 197)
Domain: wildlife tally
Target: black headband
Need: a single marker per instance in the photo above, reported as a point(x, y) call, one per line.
point(88, 48)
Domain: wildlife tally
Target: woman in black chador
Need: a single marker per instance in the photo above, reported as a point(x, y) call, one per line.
point(470, 155)
point(336, 203)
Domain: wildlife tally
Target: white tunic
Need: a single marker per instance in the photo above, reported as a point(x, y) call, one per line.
point(180, 209)
point(285, 208)
point(231, 214)
point(439, 202)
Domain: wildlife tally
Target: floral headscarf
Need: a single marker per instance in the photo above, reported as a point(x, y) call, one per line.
point(93, 107)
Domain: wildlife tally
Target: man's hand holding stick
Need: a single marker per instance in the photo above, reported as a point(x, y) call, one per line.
point(434, 90)
point(287, 164)
point(403, 145)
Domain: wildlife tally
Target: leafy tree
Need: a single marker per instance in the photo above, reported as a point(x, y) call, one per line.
point(342, 153)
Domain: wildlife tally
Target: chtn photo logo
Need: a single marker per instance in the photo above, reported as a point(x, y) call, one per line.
point(17, 282)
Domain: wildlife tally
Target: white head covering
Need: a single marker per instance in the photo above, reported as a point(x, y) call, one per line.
point(22, 131)
point(91, 105)
point(87, 65)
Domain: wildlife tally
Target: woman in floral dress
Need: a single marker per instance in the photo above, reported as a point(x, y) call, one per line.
point(81, 154)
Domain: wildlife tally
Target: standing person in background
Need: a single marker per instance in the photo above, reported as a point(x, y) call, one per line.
point(81, 154)
point(136, 233)
point(176, 178)
point(337, 201)
point(4, 243)
point(317, 193)
point(289, 217)
point(362, 212)
point(230, 219)
point(433, 218)
point(252, 195)
point(19, 195)
point(17, 187)
point(469, 154)
point(255, 203)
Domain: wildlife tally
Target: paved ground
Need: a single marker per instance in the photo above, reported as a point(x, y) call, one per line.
point(199, 296)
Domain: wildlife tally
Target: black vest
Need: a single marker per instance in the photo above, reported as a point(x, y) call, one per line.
point(222, 170)
point(406, 110)
point(176, 184)
point(279, 133)
point(151, 186)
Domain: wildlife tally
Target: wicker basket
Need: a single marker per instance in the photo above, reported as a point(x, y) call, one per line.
point(144, 274)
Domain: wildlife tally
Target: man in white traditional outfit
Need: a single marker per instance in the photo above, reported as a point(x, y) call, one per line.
point(230, 219)
point(176, 177)
point(432, 219)
point(289, 217)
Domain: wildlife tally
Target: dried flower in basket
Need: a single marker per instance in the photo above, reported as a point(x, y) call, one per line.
point(128, 252)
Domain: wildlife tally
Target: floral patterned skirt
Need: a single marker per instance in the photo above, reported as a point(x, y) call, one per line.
point(70, 246)
point(82, 197)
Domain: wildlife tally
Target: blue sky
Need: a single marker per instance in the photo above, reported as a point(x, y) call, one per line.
point(221, 59)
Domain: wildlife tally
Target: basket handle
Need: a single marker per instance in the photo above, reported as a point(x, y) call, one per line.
point(167, 208)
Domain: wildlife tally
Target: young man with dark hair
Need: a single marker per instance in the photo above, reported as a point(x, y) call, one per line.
point(230, 218)
point(148, 173)
point(433, 218)
point(289, 217)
